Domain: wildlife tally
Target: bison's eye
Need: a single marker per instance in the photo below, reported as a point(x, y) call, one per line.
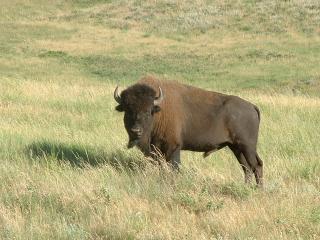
point(147, 114)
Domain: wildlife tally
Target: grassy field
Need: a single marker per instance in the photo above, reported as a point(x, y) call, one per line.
point(65, 171)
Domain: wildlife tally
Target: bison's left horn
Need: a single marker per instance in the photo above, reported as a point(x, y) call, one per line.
point(159, 99)
point(116, 95)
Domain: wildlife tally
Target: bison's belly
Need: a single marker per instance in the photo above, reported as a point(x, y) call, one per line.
point(197, 148)
point(203, 145)
point(205, 139)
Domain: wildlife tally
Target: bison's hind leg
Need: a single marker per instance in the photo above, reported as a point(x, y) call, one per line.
point(243, 162)
point(259, 170)
point(255, 163)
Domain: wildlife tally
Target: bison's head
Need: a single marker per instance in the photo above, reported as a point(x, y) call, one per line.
point(139, 103)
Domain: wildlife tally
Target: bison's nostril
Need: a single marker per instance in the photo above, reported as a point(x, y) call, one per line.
point(137, 131)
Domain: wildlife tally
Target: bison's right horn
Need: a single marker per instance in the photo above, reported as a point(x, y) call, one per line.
point(116, 95)
point(159, 99)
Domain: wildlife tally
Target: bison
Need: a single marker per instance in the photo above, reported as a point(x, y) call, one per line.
point(170, 116)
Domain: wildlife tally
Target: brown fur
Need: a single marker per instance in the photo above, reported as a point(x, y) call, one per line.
point(197, 120)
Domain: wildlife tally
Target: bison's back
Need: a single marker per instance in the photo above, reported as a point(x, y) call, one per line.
point(188, 114)
point(199, 118)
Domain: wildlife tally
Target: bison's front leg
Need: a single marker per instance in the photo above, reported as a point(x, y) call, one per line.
point(173, 156)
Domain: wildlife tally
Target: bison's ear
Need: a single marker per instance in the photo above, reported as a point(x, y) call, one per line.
point(156, 109)
point(119, 108)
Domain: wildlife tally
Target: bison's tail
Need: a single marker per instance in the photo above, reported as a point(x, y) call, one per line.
point(258, 111)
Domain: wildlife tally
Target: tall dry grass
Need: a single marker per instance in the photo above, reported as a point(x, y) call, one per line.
point(65, 171)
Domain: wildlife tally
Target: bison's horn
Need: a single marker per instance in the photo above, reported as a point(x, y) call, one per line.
point(159, 99)
point(116, 95)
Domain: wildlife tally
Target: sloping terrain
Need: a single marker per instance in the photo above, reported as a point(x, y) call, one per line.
point(65, 171)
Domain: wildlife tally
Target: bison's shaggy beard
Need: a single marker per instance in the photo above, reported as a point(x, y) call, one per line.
point(132, 143)
point(142, 143)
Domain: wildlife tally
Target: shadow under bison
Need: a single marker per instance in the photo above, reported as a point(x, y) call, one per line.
point(81, 156)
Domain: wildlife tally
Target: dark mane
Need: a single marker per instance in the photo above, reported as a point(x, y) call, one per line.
point(138, 95)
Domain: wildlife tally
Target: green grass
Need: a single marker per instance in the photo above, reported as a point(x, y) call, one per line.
point(65, 171)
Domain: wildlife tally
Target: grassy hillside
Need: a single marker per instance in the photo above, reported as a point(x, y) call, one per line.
point(65, 171)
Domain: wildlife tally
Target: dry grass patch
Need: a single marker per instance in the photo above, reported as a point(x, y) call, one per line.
point(65, 171)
